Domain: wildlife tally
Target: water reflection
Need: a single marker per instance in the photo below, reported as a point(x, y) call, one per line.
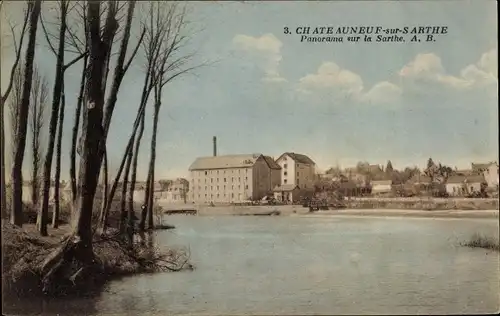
point(310, 266)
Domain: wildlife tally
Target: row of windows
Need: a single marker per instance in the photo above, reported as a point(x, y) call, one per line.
point(218, 195)
point(207, 172)
point(225, 179)
point(286, 173)
point(218, 188)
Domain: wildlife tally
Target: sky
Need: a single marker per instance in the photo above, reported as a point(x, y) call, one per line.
point(262, 91)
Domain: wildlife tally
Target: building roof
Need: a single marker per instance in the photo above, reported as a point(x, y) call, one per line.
point(477, 166)
point(468, 179)
point(381, 182)
point(225, 162)
point(285, 188)
point(271, 163)
point(299, 158)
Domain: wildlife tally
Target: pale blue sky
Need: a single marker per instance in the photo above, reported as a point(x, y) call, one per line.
point(267, 92)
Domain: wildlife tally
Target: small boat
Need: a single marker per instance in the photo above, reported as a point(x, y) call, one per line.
point(181, 211)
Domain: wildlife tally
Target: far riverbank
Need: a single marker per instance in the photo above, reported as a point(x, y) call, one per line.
point(298, 210)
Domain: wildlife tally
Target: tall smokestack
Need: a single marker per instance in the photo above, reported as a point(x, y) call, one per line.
point(215, 146)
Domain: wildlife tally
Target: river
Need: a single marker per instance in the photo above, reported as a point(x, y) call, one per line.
point(303, 265)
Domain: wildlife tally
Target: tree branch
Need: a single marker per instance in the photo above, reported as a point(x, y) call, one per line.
point(71, 63)
point(134, 52)
point(46, 34)
point(18, 54)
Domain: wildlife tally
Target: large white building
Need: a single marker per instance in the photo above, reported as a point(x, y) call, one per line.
point(232, 178)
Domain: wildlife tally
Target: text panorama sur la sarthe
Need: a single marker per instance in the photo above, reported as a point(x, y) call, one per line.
point(367, 33)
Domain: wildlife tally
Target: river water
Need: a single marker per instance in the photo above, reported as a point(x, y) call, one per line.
point(307, 265)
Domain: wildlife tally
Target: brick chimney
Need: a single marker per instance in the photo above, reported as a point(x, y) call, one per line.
point(215, 146)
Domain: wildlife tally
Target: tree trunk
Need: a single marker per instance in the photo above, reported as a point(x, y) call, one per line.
point(22, 123)
point(147, 87)
point(134, 165)
point(123, 202)
point(92, 132)
point(153, 159)
point(42, 218)
point(76, 126)
point(55, 214)
point(147, 195)
point(3, 197)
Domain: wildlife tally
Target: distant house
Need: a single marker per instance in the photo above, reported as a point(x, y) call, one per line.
point(353, 175)
point(381, 186)
point(297, 169)
point(489, 171)
point(458, 185)
point(287, 193)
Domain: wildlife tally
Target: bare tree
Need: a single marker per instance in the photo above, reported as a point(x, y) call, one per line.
point(119, 73)
point(79, 245)
point(170, 64)
point(22, 121)
point(42, 218)
point(39, 98)
point(5, 95)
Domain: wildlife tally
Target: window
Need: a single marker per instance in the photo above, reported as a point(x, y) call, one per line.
point(246, 186)
point(217, 188)
point(217, 194)
point(211, 180)
point(206, 172)
point(285, 173)
point(224, 187)
point(205, 195)
point(217, 179)
point(232, 195)
point(232, 187)
point(297, 181)
point(284, 181)
point(232, 179)
point(217, 171)
point(284, 166)
point(199, 196)
point(246, 178)
point(225, 180)
point(297, 173)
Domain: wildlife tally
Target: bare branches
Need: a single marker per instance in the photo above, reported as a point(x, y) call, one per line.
point(75, 60)
point(17, 50)
point(47, 37)
point(38, 107)
point(136, 49)
point(14, 104)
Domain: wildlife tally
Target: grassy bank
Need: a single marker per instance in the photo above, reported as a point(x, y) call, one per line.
point(481, 241)
point(24, 252)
